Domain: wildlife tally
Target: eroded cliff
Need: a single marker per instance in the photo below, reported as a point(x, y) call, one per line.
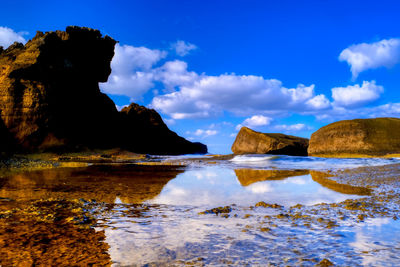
point(50, 98)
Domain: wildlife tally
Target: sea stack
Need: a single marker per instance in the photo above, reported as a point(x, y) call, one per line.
point(50, 99)
point(251, 142)
point(357, 138)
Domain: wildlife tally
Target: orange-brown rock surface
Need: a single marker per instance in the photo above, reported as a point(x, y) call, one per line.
point(251, 142)
point(50, 98)
point(250, 176)
point(360, 137)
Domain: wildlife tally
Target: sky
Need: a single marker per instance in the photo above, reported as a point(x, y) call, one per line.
point(211, 67)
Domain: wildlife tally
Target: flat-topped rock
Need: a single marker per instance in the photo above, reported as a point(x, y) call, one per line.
point(251, 142)
point(356, 138)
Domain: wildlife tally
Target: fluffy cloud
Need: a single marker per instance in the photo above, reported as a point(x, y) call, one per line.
point(200, 132)
point(361, 57)
point(8, 37)
point(203, 133)
point(132, 74)
point(356, 95)
point(174, 73)
point(183, 48)
point(184, 94)
point(255, 121)
point(318, 102)
point(240, 94)
point(292, 128)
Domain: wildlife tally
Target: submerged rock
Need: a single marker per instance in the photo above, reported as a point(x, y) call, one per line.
point(360, 137)
point(251, 142)
point(50, 98)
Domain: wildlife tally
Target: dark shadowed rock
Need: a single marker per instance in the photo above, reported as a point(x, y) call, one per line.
point(49, 94)
point(360, 137)
point(50, 98)
point(251, 142)
point(7, 144)
point(152, 135)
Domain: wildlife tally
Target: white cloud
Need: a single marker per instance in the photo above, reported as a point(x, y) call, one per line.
point(183, 94)
point(183, 48)
point(364, 56)
point(9, 36)
point(356, 95)
point(242, 95)
point(132, 74)
point(342, 113)
point(292, 128)
point(319, 102)
point(187, 94)
point(174, 73)
point(255, 121)
point(200, 132)
point(203, 133)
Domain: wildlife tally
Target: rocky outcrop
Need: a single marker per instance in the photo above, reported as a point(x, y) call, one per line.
point(49, 94)
point(50, 97)
point(141, 123)
point(251, 142)
point(354, 138)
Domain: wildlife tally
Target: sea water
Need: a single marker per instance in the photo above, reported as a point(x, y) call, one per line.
point(154, 216)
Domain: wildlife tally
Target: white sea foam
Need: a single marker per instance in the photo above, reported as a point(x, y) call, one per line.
point(253, 158)
point(310, 163)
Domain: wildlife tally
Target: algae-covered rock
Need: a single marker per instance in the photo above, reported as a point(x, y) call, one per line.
point(360, 137)
point(251, 142)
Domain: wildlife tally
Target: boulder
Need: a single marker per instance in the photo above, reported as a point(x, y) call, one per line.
point(357, 138)
point(251, 142)
point(50, 98)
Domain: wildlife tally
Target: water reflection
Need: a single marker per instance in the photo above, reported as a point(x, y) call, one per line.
point(217, 186)
point(376, 240)
point(150, 215)
point(323, 179)
point(103, 183)
point(250, 176)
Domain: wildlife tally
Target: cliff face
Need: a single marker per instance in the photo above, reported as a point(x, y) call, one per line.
point(373, 137)
point(50, 98)
point(49, 94)
point(251, 142)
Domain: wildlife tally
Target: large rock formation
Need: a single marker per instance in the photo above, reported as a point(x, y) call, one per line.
point(251, 142)
point(141, 123)
point(360, 137)
point(50, 98)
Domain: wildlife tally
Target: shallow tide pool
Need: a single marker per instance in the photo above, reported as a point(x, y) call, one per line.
point(233, 212)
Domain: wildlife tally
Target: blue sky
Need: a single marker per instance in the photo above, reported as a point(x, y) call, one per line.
point(209, 67)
